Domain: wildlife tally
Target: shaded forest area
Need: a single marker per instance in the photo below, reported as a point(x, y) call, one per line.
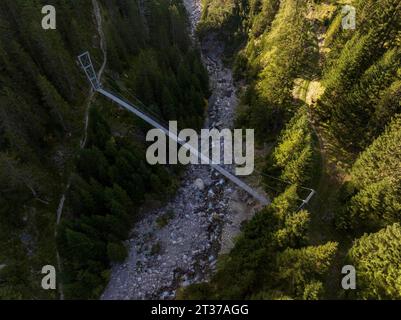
point(43, 97)
point(344, 142)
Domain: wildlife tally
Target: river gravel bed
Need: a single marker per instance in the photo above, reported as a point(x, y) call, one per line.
point(206, 210)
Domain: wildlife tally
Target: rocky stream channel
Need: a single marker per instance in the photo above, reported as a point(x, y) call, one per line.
point(204, 216)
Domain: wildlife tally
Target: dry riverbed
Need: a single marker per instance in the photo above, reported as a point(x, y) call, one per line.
point(178, 245)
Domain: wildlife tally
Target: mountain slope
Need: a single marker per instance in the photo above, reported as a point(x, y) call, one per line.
point(42, 124)
point(326, 102)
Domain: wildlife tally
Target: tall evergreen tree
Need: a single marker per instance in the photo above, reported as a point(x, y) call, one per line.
point(376, 258)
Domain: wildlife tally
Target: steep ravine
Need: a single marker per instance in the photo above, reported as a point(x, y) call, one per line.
point(205, 215)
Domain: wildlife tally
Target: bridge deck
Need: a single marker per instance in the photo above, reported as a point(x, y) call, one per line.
point(262, 199)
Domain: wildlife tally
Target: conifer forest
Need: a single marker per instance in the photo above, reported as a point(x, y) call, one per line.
point(318, 82)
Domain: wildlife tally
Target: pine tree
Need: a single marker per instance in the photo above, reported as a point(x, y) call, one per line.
point(292, 158)
point(299, 269)
point(375, 206)
point(381, 160)
point(360, 70)
point(376, 178)
point(58, 107)
point(376, 258)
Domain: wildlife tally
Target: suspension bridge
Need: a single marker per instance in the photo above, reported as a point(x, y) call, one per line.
point(87, 66)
